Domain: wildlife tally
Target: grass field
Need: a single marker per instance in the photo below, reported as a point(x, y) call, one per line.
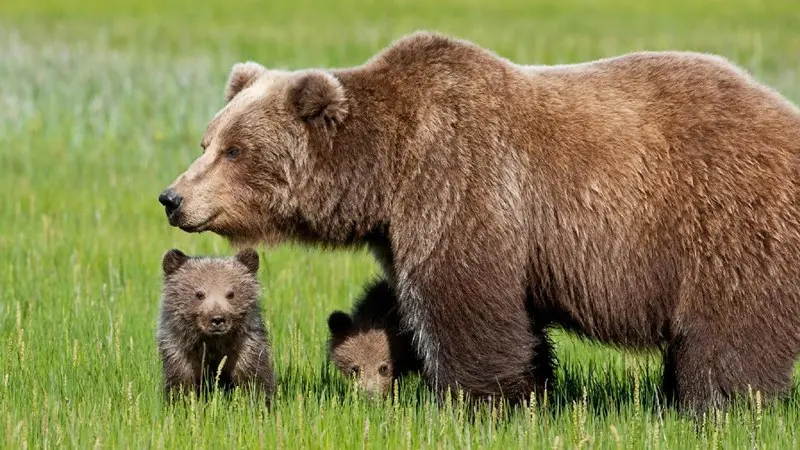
point(102, 104)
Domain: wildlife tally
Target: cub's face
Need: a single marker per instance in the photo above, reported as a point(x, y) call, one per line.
point(255, 152)
point(362, 354)
point(211, 296)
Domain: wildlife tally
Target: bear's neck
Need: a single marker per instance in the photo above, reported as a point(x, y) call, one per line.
point(212, 349)
point(350, 188)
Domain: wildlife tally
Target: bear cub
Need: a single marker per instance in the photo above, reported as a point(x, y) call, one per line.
point(369, 344)
point(210, 311)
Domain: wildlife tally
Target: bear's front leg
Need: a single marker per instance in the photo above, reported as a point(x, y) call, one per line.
point(179, 375)
point(709, 362)
point(254, 368)
point(473, 332)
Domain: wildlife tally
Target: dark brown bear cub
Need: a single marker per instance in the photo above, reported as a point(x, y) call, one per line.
point(210, 312)
point(369, 344)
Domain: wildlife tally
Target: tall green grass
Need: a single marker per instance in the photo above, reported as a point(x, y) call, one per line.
point(102, 104)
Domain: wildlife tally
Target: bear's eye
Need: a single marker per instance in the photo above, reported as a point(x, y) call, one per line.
point(383, 370)
point(232, 153)
point(199, 295)
point(229, 295)
point(354, 370)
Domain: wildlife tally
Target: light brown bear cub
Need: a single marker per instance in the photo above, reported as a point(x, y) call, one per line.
point(369, 344)
point(210, 311)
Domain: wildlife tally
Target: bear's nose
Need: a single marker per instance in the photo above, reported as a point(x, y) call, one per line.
point(171, 201)
point(217, 321)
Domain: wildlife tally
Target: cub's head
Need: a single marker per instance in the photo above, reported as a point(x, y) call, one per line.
point(210, 296)
point(363, 353)
point(255, 152)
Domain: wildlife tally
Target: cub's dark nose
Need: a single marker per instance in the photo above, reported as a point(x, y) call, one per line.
point(171, 201)
point(217, 321)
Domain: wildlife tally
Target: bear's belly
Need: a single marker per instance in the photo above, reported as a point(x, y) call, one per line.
point(636, 323)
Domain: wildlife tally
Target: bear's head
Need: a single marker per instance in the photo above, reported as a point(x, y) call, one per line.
point(256, 152)
point(209, 296)
point(361, 352)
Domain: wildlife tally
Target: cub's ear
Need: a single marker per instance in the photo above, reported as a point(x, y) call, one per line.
point(242, 75)
point(318, 97)
point(339, 324)
point(248, 257)
point(172, 261)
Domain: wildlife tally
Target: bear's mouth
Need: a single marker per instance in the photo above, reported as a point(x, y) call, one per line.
point(192, 228)
point(216, 330)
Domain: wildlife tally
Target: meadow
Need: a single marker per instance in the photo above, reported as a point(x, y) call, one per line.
point(102, 104)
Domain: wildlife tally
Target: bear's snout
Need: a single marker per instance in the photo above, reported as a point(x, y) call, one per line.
point(217, 324)
point(172, 202)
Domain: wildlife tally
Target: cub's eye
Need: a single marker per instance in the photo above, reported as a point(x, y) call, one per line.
point(229, 295)
point(354, 370)
point(199, 295)
point(383, 370)
point(232, 153)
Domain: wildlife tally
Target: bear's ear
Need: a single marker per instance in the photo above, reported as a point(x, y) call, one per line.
point(318, 97)
point(248, 257)
point(339, 324)
point(242, 75)
point(172, 261)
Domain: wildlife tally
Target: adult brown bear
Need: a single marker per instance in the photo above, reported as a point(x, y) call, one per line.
point(645, 200)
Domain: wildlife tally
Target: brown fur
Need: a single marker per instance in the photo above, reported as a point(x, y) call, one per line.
point(370, 343)
point(645, 200)
point(199, 291)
